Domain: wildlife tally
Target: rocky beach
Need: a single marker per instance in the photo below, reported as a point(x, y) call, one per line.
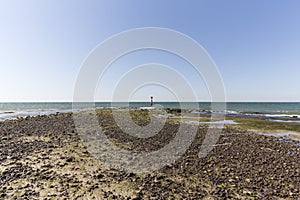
point(43, 157)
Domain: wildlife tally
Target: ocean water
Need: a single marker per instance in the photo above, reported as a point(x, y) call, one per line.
point(250, 109)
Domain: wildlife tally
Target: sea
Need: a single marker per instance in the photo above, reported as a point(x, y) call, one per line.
point(274, 110)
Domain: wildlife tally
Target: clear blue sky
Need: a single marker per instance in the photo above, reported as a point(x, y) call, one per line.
point(255, 44)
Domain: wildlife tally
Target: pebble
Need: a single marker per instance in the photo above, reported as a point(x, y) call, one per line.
point(252, 165)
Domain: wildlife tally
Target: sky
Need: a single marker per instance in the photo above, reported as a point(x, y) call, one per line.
point(254, 44)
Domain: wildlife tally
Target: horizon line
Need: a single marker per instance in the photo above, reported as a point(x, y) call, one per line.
point(148, 101)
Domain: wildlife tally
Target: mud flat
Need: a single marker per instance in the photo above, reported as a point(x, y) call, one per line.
point(43, 157)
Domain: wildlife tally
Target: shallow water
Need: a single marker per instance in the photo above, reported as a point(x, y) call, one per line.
point(279, 134)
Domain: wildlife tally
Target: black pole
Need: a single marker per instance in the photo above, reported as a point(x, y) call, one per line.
point(151, 101)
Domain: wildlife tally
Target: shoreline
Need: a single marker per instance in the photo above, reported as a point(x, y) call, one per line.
point(43, 157)
point(273, 111)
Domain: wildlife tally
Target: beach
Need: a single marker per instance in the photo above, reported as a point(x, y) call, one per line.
point(44, 157)
point(149, 100)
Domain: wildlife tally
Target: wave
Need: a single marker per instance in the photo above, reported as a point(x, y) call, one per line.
point(29, 113)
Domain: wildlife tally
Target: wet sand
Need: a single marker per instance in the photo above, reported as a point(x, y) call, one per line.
point(44, 158)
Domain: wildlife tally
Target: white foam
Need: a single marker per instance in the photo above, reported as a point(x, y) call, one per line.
point(147, 108)
point(282, 115)
point(288, 121)
point(213, 122)
point(30, 113)
point(231, 112)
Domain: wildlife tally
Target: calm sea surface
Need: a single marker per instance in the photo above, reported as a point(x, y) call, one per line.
point(13, 110)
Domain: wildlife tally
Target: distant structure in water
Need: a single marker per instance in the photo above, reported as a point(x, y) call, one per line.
point(151, 101)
